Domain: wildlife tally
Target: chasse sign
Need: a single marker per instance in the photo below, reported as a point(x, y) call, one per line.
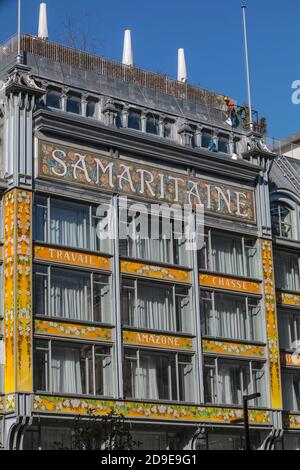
point(96, 170)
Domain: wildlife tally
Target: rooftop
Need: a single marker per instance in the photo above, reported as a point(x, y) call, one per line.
point(114, 70)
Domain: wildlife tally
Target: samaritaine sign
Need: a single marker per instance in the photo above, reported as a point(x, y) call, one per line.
point(95, 170)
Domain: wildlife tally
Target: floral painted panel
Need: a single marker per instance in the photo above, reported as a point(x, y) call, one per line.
point(170, 412)
point(289, 359)
point(291, 300)
point(271, 319)
point(233, 349)
point(158, 341)
point(291, 421)
point(157, 272)
point(73, 330)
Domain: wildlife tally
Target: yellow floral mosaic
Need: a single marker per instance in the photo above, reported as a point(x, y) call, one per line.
point(232, 349)
point(70, 330)
point(157, 272)
point(271, 319)
point(63, 405)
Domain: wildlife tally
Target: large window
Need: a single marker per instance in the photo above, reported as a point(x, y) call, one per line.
point(158, 375)
point(153, 238)
point(287, 270)
point(231, 316)
point(73, 368)
point(73, 103)
point(72, 294)
point(67, 223)
point(289, 329)
point(291, 390)
point(226, 381)
point(152, 124)
point(282, 220)
point(134, 120)
point(156, 305)
point(229, 254)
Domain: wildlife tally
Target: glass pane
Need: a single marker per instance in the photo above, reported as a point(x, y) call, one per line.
point(183, 310)
point(70, 224)
point(41, 366)
point(74, 104)
point(152, 126)
point(287, 271)
point(251, 258)
point(103, 371)
point(134, 120)
point(223, 144)
point(53, 99)
point(186, 378)
point(231, 317)
point(130, 374)
point(68, 369)
point(40, 290)
point(155, 309)
point(71, 294)
point(91, 108)
point(168, 130)
point(102, 299)
point(128, 302)
point(210, 381)
point(227, 255)
point(207, 314)
point(40, 212)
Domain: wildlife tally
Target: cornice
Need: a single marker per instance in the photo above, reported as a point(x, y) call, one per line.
point(84, 130)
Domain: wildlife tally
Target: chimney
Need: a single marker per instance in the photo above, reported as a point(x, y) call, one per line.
point(181, 71)
point(127, 49)
point(43, 24)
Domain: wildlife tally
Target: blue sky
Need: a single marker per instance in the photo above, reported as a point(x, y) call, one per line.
point(211, 33)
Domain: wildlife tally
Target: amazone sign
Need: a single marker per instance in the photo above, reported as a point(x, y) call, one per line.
point(127, 178)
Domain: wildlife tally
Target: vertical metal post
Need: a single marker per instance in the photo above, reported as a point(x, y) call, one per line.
point(247, 68)
point(246, 424)
point(19, 58)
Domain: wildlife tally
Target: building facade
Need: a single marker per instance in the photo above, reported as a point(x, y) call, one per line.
point(171, 337)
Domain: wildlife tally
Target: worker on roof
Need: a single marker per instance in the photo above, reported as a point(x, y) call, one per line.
point(232, 119)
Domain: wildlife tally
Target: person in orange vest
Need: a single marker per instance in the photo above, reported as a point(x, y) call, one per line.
point(232, 119)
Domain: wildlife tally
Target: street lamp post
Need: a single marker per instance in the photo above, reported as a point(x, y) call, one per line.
point(246, 399)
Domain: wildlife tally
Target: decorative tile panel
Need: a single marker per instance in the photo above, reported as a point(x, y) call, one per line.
point(157, 272)
point(233, 349)
point(71, 257)
point(271, 320)
point(289, 359)
point(70, 330)
point(17, 291)
point(157, 340)
point(137, 410)
point(229, 283)
point(290, 300)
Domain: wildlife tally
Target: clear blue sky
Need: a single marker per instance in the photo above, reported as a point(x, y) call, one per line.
point(209, 30)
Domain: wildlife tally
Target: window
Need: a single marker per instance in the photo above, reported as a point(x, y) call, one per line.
point(73, 103)
point(287, 270)
point(70, 224)
point(231, 316)
point(134, 120)
point(91, 108)
point(153, 238)
point(229, 254)
point(152, 125)
point(168, 129)
point(225, 381)
point(158, 376)
point(156, 306)
point(291, 390)
point(73, 368)
point(223, 144)
point(289, 329)
point(53, 99)
point(72, 294)
point(206, 139)
point(282, 220)
point(119, 123)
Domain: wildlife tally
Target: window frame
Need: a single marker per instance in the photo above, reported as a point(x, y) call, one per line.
point(90, 234)
point(92, 280)
point(167, 285)
point(171, 355)
point(214, 365)
point(208, 257)
point(48, 347)
point(237, 295)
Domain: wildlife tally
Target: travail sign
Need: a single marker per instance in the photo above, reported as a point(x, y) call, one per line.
point(95, 170)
